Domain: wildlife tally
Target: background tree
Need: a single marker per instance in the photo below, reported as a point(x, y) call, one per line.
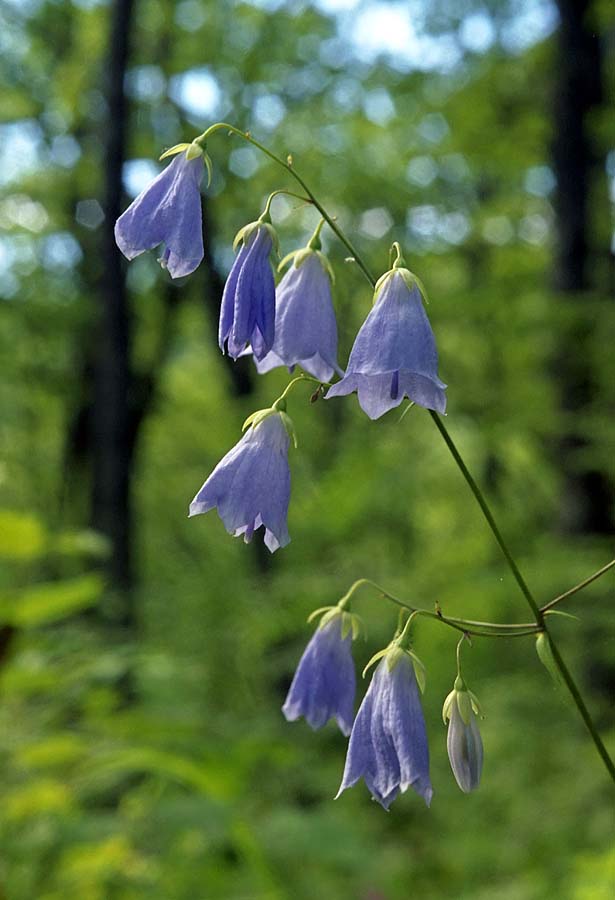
point(438, 130)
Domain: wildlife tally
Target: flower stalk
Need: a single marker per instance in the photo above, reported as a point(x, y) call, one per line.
point(540, 624)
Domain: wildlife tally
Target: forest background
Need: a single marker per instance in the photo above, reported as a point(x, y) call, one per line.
point(144, 657)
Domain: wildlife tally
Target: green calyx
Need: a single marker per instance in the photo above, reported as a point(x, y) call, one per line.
point(258, 416)
point(244, 234)
point(350, 623)
point(255, 419)
point(394, 653)
point(467, 703)
point(399, 267)
point(312, 247)
point(298, 257)
point(193, 151)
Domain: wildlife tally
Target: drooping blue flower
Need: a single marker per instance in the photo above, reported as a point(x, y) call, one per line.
point(388, 744)
point(305, 326)
point(463, 742)
point(167, 211)
point(324, 684)
point(247, 313)
point(250, 486)
point(394, 354)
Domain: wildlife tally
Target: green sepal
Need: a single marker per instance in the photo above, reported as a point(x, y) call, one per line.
point(380, 283)
point(284, 262)
point(358, 626)
point(326, 265)
point(464, 705)
point(257, 417)
point(419, 670)
point(244, 234)
point(274, 238)
point(411, 280)
point(545, 655)
point(467, 703)
point(290, 427)
point(209, 167)
point(478, 710)
point(560, 612)
point(375, 658)
point(351, 623)
point(301, 255)
point(298, 257)
point(319, 612)
point(194, 151)
point(330, 614)
point(172, 151)
point(448, 706)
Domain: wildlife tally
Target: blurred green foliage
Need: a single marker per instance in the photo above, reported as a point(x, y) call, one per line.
point(196, 788)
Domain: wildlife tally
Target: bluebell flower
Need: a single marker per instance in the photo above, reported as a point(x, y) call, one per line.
point(247, 313)
point(250, 486)
point(388, 744)
point(324, 684)
point(464, 744)
point(305, 326)
point(394, 354)
point(168, 211)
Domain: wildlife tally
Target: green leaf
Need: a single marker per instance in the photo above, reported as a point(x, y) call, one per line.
point(545, 655)
point(560, 612)
point(42, 604)
point(22, 536)
point(82, 543)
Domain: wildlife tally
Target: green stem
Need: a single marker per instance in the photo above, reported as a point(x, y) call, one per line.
point(577, 587)
point(286, 193)
point(289, 168)
point(296, 380)
point(480, 499)
point(540, 622)
point(466, 626)
point(583, 710)
point(464, 637)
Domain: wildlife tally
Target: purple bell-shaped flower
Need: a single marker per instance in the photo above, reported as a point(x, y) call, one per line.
point(394, 354)
point(168, 211)
point(388, 743)
point(250, 486)
point(324, 684)
point(305, 326)
point(247, 313)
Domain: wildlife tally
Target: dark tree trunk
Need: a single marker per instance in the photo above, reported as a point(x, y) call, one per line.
point(578, 92)
point(112, 442)
point(587, 495)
